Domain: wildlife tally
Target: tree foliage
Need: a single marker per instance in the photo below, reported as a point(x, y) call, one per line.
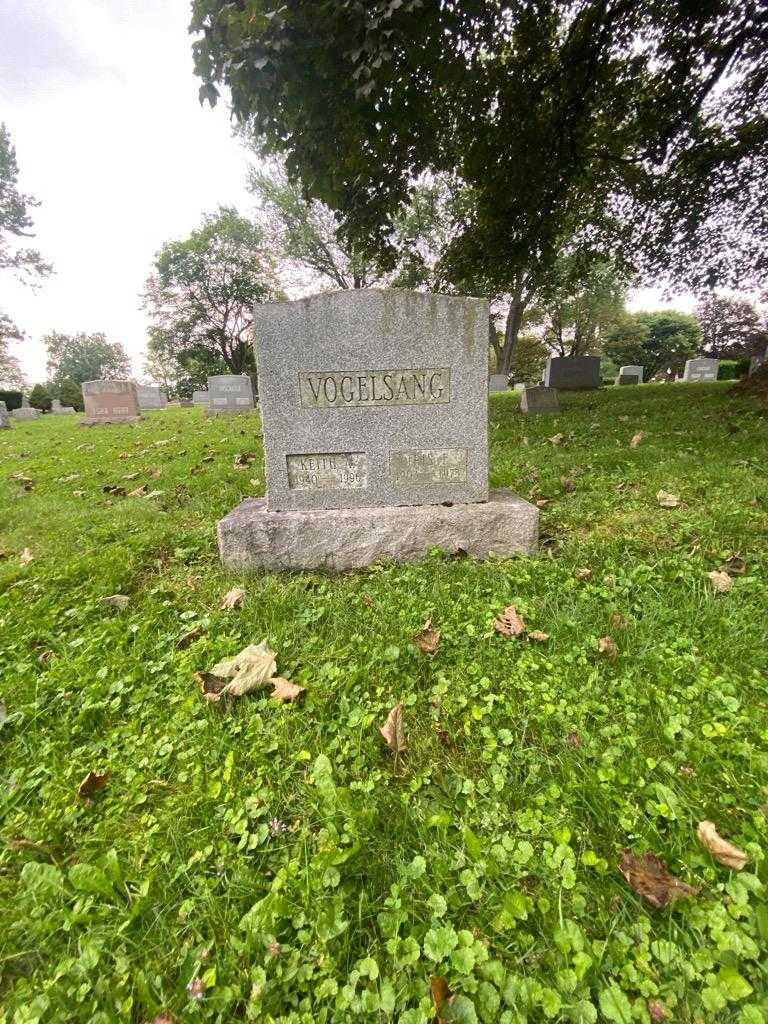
point(639, 124)
point(201, 294)
point(40, 398)
point(658, 341)
point(11, 375)
point(15, 216)
point(75, 358)
point(732, 328)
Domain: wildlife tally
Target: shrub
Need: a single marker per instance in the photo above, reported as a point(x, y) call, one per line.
point(733, 369)
point(12, 399)
point(40, 398)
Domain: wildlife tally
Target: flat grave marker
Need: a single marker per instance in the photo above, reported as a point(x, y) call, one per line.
point(229, 395)
point(110, 401)
point(539, 399)
point(701, 369)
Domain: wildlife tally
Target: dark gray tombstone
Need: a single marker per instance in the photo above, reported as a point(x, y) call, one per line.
point(574, 373)
point(539, 399)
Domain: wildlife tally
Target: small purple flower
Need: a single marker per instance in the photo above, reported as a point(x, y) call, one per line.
point(276, 827)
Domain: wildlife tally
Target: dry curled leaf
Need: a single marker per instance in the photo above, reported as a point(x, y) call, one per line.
point(723, 851)
point(139, 492)
point(286, 690)
point(251, 669)
point(119, 601)
point(721, 582)
point(637, 439)
point(542, 503)
point(509, 622)
point(667, 500)
point(393, 730)
point(154, 494)
point(557, 439)
point(583, 574)
point(538, 636)
point(26, 556)
point(428, 639)
point(649, 877)
point(735, 566)
point(78, 494)
point(92, 783)
point(233, 598)
point(607, 647)
point(131, 476)
point(189, 638)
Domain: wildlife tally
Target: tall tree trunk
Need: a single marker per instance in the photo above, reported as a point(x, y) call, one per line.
point(512, 330)
point(493, 343)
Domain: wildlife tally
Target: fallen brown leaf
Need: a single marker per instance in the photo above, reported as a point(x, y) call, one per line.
point(557, 439)
point(509, 622)
point(119, 601)
point(155, 474)
point(118, 492)
point(649, 877)
point(441, 996)
point(607, 647)
point(393, 730)
point(26, 556)
point(735, 566)
point(428, 639)
point(131, 476)
point(667, 500)
point(139, 492)
point(233, 598)
point(538, 636)
point(189, 638)
point(77, 494)
point(721, 582)
point(542, 503)
point(251, 669)
point(285, 690)
point(154, 494)
point(92, 783)
point(583, 574)
point(637, 439)
point(723, 851)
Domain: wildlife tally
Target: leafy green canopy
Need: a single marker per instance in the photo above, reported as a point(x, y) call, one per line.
point(201, 295)
point(660, 341)
point(75, 358)
point(644, 120)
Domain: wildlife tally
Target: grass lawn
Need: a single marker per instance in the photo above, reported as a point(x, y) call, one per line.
point(275, 862)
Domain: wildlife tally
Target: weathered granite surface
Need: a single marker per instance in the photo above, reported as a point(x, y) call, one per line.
point(200, 398)
point(26, 412)
point(252, 537)
point(151, 397)
point(57, 409)
point(229, 395)
point(110, 401)
point(572, 373)
point(539, 400)
point(701, 369)
point(5, 419)
point(631, 371)
point(377, 398)
point(498, 382)
point(628, 378)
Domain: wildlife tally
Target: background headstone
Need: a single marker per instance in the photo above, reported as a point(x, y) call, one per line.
point(630, 372)
point(5, 419)
point(229, 394)
point(110, 401)
point(60, 410)
point(701, 369)
point(185, 403)
point(539, 399)
point(200, 398)
point(572, 373)
point(398, 420)
point(26, 411)
point(151, 397)
point(498, 382)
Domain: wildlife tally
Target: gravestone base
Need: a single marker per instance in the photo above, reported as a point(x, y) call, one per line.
point(26, 413)
point(251, 537)
point(100, 421)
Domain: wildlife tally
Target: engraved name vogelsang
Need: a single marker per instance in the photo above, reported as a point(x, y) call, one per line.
point(378, 388)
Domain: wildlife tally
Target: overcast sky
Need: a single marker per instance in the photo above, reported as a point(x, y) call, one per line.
point(101, 102)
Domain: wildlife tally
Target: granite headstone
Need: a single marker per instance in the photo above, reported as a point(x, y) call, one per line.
point(5, 419)
point(26, 411)
point(498, 382)
point(701, 369)
point(573, 373)
point(151, 397)
point(200, 398)
point(61, 410)
point(229, 394)
point(110, 401)
point(633, 375)
point(539, 399)
point(375, 435)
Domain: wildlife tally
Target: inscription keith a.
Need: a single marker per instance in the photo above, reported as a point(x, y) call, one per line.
point(375, 388)
point(327, 471)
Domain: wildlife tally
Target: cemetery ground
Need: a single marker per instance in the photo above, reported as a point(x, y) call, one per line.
point(273, 861)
